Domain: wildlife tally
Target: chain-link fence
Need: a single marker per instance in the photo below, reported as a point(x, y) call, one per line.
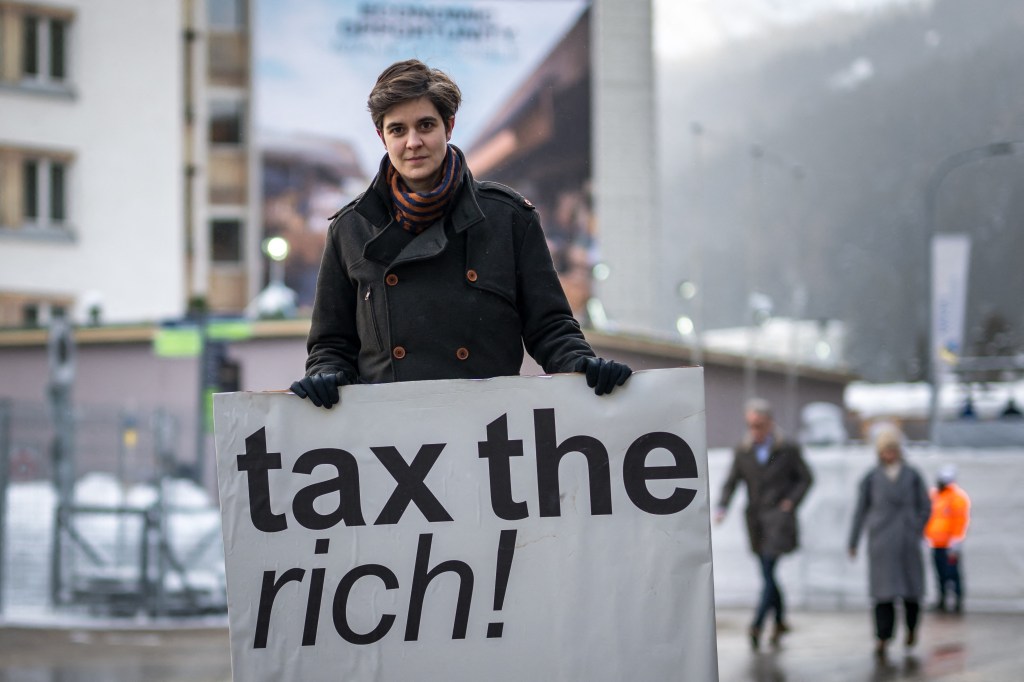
point(133, 534)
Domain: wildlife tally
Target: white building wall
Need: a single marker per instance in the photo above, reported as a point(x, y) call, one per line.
point(124, 127)
point(625, 163)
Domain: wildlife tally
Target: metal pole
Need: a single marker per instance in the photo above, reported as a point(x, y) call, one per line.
point(798, 299)
point(753, 280)
point(5, 459)
point(697, 241)
point(61, 354)
point(200, 460)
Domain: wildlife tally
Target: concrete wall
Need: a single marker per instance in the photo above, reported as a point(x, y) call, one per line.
point(625, 162)
point(123, 125)
point(125, 374)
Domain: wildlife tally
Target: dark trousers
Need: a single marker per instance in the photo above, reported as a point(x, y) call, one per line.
point(947, 573)
point(885, 617)
point(771, 595)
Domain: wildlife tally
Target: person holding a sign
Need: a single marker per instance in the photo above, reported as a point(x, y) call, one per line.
point(777, 478)
point(432, 274)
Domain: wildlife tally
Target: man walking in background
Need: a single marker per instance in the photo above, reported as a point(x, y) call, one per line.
point(777, 478)
point(945, 532)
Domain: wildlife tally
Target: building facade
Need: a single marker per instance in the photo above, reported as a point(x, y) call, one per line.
point(90, 161)
point(127, 176)
point(223, 259)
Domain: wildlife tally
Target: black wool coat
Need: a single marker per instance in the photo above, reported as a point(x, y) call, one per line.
point(785, 476)
point(459, 300)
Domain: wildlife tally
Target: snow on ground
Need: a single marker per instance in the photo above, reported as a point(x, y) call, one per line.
point(193, 532)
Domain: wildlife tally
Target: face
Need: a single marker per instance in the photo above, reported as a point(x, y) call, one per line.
point(758, 426)
point(417, 140)
point(889, 454)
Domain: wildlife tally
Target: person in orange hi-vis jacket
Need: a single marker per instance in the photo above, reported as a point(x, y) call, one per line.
point(945, 532)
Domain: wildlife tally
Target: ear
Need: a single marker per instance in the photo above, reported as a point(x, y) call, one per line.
point(449, 128)
point(380, 134)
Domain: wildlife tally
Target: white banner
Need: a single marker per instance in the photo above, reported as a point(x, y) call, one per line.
point(518, 528)
point(950, 262)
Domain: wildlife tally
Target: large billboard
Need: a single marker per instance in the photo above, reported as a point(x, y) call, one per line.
point(524, 70)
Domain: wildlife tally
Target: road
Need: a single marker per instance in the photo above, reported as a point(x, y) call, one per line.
point(825, 646)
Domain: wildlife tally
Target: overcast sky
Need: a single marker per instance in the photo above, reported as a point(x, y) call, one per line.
point(689, 27)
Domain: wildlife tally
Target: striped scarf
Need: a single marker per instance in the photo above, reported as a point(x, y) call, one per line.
point(416, 212)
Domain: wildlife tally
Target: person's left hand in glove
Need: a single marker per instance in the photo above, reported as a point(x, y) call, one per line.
point(603, 375)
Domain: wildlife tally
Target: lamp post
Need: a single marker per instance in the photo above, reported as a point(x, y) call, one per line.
point(798, 301)
point(947, 166)
point(694, 288)
point(752, 255)
point(276, 300)
point(276, 249)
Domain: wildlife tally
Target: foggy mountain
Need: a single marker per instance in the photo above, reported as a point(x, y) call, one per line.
point(852, 117)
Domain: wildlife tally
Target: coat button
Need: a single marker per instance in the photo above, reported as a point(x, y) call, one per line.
point(462, 353)
point(391, 280)
point(398, 352)
point(471, 275)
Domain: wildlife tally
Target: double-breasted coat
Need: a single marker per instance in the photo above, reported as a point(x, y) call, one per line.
point(784, 476)
point(894, 513)
point(459, 300)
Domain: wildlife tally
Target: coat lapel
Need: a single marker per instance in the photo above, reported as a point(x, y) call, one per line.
point(390, 247)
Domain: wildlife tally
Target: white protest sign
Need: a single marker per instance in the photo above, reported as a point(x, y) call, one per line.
point(518, 528)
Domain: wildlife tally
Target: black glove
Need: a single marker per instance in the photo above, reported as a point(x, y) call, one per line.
point(603, 375)
point(321, 389)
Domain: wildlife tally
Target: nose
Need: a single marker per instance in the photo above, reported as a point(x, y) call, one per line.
point(413, 140)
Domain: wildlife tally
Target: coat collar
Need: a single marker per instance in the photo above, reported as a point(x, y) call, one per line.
point(748, 444)
point(375, 206)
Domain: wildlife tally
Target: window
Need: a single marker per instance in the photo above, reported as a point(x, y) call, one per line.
point(30, 315)
point(30, 183)
point(30, 46)
point(34, 46)
point(44, 48)
point(35, 190)
point(227, 14)
point(56, 192)
point(58, 40)
point(226, 122)
point(226, 237)
point(45, 192)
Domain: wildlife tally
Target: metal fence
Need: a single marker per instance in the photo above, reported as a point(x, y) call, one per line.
point(134, 534)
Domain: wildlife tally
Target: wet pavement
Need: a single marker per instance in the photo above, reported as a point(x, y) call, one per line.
point(823, 647)
point(839, 647)
point(175, 653)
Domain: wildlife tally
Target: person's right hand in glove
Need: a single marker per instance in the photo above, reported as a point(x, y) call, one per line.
point(603, 375)
point(321, 389)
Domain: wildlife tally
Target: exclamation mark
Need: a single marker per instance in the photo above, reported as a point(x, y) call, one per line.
point(506, 552)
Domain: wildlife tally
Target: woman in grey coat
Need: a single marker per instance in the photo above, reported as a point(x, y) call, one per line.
point(893, 504)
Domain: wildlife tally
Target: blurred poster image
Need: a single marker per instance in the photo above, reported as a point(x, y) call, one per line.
point(524, 70)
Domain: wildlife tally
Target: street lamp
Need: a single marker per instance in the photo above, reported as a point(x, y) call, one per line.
point(276, 249)
point(947, 166)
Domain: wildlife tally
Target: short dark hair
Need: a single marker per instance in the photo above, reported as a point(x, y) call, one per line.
point(408, 80)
